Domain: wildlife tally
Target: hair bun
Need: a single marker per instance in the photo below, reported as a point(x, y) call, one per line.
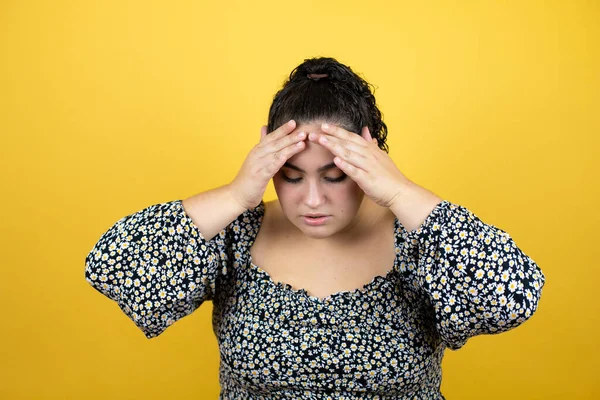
point(317, 68)
point(323, 89)
point(316, 77)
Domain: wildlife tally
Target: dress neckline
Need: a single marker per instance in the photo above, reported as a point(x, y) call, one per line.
point(374, 284)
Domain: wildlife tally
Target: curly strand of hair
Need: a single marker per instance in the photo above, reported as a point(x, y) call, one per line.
point(323, 88)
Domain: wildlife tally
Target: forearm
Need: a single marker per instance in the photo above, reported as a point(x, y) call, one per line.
point(213, 210)
point(413, 204)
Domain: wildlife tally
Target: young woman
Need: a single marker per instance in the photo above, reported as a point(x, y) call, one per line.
point(350, 285)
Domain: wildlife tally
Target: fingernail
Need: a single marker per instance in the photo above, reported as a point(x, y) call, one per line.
point(301, 135)
point(325, 126)
point(291, 122)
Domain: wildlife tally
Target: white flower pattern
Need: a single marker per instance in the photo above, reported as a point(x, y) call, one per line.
point(453, 278)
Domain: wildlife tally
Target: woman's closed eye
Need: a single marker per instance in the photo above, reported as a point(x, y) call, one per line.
point(327, 178)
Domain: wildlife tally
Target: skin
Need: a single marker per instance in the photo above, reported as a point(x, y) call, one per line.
point(377, 175)
point(313, 190)
point(362, 160)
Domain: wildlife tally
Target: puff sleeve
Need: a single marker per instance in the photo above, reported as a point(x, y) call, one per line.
point(156, 265)
point(476, 277)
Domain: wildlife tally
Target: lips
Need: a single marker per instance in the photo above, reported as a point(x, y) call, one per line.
point(315, 219)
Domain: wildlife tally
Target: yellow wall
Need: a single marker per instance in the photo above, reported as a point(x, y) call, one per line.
point(110, 106)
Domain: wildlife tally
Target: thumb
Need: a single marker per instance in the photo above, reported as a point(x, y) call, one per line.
point(366, 134)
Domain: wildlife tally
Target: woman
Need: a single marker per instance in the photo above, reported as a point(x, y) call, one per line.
point(350, 285)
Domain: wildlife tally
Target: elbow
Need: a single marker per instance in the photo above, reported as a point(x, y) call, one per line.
point(517, 307)
point(97, 275)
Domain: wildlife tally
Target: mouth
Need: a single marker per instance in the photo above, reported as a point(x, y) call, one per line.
point(315, 219)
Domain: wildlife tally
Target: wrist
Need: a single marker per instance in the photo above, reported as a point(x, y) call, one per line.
point(413, 204)
point(236, 198)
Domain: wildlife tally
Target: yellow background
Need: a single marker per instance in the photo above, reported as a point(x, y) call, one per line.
point(110, 106)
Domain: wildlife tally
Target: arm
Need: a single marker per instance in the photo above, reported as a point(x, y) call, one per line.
point(161, 263)
point(474, 275)
point(213, 210)
point(413, 204)
point(477, 279)
point(156, 265)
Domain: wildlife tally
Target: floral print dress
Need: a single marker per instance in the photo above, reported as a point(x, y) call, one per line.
point(453, 278)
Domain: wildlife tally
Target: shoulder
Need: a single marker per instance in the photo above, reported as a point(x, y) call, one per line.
point(275, 224)
point(247, 224)
point(274, 219)
point(378, 218)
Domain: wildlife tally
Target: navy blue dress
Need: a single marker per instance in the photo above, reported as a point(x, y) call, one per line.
point(453, 278)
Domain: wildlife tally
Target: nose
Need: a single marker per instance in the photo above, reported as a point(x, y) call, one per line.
point(315, 196)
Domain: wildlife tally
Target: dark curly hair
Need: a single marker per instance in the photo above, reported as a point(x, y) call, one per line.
point(324, 89)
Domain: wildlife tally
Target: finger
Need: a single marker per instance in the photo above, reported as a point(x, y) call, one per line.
point(327, 139)
point(366, 134)
point(263, 131)
point(285, 141)
point(348, 151)
point(275, 161)
point(356, 174)
point(341, 146)
point(281, 131)
point(341, 133)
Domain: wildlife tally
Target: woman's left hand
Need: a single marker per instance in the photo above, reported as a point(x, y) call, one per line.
point(359, 157)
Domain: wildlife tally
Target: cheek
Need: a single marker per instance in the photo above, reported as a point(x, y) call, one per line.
point(285, 191)
point(347, 197)
point(349, 191)
point(353, 196)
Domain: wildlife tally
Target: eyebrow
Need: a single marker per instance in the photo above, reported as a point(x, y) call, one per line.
point(320, 169)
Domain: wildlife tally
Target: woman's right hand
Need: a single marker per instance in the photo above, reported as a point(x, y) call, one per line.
point(263, 162)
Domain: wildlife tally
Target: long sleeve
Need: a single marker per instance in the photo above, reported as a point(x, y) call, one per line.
point(157, 266)
point(476, 277)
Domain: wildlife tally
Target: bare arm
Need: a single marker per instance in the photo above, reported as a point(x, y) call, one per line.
point(413, 205)
point(213, 210)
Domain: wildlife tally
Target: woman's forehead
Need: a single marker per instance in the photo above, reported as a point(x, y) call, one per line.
point(314, 126)
point(313, 157)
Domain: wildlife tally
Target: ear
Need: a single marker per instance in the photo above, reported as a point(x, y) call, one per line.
point(365, 134)
point(263, 131)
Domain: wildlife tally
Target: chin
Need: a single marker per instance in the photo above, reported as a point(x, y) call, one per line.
point(318, 234)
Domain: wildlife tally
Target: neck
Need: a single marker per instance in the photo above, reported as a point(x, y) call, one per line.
point(366, 219)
